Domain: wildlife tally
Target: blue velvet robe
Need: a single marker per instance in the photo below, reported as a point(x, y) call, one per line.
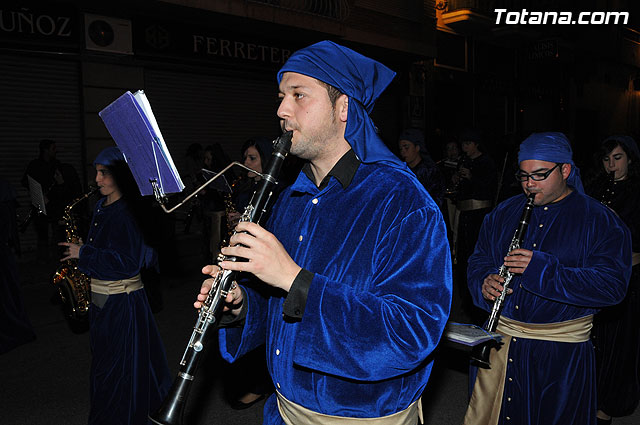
point(581, 262)
point(376, 307)
point(130, 375)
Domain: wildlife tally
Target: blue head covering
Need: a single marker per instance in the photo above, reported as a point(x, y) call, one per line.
point(415, 136)
point(627, 142)
point(362, 79)
point(551, 147)
point(109, 156)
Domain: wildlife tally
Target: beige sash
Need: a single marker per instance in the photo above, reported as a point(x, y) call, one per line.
point(111, 287)
point(486, 399)
point(472, 204)
point(635, 258)
point(294, 414)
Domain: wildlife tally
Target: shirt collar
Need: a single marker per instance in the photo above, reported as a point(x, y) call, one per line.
point(343, 171)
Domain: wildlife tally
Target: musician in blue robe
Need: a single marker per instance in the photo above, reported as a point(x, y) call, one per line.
point(356, 254)
point(575, 260)
point(129, 371)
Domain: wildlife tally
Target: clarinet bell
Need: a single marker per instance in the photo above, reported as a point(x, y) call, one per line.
point(172, 409)
point(481, 352)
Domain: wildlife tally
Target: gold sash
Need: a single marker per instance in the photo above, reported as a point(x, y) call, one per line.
point(486, 399)
point(111, 287)
point(294, 414)
point(472, 204)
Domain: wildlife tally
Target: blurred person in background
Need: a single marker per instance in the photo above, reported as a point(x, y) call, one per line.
point(414, 152)
point(15, 326)
point(616, 329)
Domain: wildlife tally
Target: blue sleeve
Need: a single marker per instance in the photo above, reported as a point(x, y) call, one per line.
point(398, 322)
point(600, 281)
point(483, 262)
point(236, 342)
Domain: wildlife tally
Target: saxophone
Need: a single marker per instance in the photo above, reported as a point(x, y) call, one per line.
point(73, 285)
point(230, 207)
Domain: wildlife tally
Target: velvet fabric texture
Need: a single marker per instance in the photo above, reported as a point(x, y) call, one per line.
point(362, 79)
point(431, 178)
point(377, 304)
point(114, 248)
point(551, 147)
point(129, 370)
point(576, 269)
point(109, 156)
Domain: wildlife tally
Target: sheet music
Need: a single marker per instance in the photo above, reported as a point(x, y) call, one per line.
point(37, 196)
point(134, 128)
point(468, 334)
point(143, 101)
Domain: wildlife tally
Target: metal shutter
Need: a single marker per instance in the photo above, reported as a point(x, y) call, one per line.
point(40, 99)
point(196, 108)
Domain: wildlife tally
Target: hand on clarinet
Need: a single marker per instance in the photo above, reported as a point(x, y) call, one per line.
point(267, 258)
point(492, 287)
point(518, 260)
point(234, 296)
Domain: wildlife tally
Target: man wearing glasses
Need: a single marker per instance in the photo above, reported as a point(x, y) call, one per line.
point(575, 259)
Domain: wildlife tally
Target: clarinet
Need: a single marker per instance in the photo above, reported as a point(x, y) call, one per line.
point(480, 353)
point(607, 198)
point(172, 408)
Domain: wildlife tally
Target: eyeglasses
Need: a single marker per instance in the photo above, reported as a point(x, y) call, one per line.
point(523, 177)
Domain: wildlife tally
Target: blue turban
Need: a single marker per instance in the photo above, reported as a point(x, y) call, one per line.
point(362, 79)
point(551, 147)
point(108, 157)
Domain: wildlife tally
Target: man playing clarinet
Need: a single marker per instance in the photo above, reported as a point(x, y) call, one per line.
point(575, 259)
point(356, 253)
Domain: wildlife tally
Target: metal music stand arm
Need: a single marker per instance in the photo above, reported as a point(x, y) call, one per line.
point(162, 199)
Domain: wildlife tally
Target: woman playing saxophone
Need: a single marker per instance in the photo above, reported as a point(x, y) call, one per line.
point(129, 370)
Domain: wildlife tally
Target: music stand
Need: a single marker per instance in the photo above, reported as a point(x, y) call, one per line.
point(130, 121)
point(132, 125)
point(37, 196)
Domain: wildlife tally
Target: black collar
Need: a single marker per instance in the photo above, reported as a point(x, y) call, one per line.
point(343, 171)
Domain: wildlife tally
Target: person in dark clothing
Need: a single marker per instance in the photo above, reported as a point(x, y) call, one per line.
point(449, 167)
point(476, 182)
point(414, 152)
point(449, 164)
point(15, 327)
point(60, 185)
point(616, 329)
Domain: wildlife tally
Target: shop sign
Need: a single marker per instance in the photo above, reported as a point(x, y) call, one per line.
point(174, 39)
point(46, 25)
